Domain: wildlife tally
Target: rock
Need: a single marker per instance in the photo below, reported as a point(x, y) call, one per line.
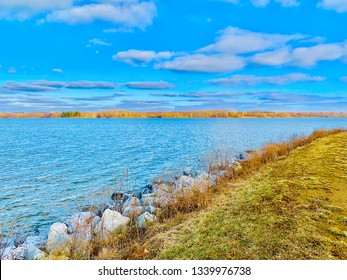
point(110, 221)
point(105, 206)
point(91, 208)
point(79, 222)
point(36, 241)
point(5, 253)
point(148, 199)
point(133, 211)
point(117, 196)
point(151, 209)
point(18, 253)
point(190, 172)
point(96, 220)
point(34, 253)
point(185, 181)
point(58, 239)
point(145, 219)
point(132, 201)
point(126, 196)
point(20, 238)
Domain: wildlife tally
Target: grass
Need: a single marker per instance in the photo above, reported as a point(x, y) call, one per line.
point(286, 201)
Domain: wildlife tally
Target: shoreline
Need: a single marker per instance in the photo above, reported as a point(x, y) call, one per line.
point(173, 115)
point(157, 202)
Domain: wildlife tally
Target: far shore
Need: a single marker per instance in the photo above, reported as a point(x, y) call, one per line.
point(188, 114)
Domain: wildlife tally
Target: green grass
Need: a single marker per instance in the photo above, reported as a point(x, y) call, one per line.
point(292, 208)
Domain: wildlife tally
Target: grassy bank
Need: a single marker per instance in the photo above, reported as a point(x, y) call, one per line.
point(288, 201)
point(190, 114)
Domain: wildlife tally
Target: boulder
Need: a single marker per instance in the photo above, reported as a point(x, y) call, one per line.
point(96, 220)
point(148, 199)
point(185, 181)
point(58, 239)
point(145, 219)
point(151, 209)
point(133, 211)
point(110, 221)
point(5, 253)
point(38, 241)
point(34, 253)
point(18, 253)
point(190, 172)
point(132, 201)
point(79, 222)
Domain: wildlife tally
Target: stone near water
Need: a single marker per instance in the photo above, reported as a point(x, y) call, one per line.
point(133, 211)
point(79, 222)
point(145, 219)
point(185, 181)
point(34, 253)
point(148, 199)
point(132, 201)
point(110, 221)
point(38, 241)
point(151, 209)
point(58, 239)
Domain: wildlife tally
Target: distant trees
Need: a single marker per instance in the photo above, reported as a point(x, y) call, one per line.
point(75, 114)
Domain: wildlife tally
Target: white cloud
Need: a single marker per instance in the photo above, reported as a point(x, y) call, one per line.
point(127, 13)
point(288, 3)
point(273, 58)
point(264, 3)
point(302, 56)
point(312, 55)
point(236, 41)
point(149, 85)
point(118, 30)
point(338, 5)
point(250, 80)
point(25, 9)
point(137, 14)
point(12, 70)
point(260, 3)
point(135, 57)
point(218, 63)
point(100, 42)
point(57, 70)
point(343, 79)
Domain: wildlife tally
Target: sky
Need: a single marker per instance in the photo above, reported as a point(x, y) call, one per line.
point(165, 55)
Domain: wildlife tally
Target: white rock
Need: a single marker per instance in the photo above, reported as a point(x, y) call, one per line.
point(37, 241)
point(186, 181)
point(110, 221)
point(150, 209)
point(148, 199)
point(5, 253)
point(34, 253)
point(18, 253)
point(131, 211)
point(145, 219)
point(79, 220)
point(132, 201)
point(58, 239)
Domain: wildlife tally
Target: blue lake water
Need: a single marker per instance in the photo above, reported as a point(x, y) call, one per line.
point(51, 168)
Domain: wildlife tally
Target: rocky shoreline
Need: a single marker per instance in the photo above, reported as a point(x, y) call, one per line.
point(99, 222)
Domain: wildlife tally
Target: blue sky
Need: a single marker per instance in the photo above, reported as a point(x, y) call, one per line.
point(164, 55)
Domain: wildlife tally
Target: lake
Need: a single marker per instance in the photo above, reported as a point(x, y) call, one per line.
point(51, 168)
